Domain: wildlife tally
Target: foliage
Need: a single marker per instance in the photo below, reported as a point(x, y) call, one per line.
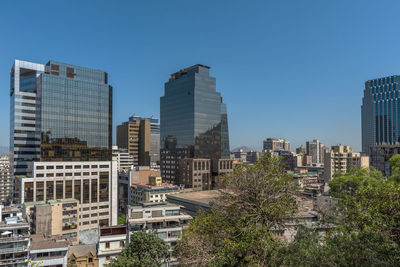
point(240, 228)
point(145, 249)
point(238, 231)
point(121, 220)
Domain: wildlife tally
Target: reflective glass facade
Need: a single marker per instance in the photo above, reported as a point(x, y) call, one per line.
point(58, 112)
point(380, 112)
point(193, 118)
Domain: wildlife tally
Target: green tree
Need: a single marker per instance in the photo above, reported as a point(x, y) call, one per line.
point(145, 249)
point(239, 229)
point(121, 219)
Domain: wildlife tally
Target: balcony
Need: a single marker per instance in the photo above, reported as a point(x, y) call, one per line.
point(13, 250)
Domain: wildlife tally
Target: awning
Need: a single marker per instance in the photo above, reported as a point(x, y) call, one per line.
point(6, 233)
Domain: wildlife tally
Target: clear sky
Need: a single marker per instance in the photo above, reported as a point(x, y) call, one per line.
point(292, 69)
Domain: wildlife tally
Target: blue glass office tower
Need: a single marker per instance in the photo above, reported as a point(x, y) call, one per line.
point(194, 121)
point(380, 112)
point(59, 112)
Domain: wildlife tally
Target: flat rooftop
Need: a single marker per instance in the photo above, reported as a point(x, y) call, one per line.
point(204, 197)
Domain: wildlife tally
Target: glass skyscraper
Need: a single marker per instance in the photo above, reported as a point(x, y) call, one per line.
point(380, 113)
point(59, 112)
point(194, 121)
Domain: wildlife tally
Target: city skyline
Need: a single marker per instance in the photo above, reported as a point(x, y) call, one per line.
point(257, 53)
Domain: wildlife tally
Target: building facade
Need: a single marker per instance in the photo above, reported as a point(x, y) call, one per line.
point(272, 144)
point(194, 121)
point(55, 218)
point(154, 136)
point(167, 220)
point(123, 159)
point(6, 180)
point(342, 159)
point(380, 112)
point(14, 237)
point(316, 150)
point(135, 136)
point(92, 183)
point(112, 241)
point(153, 192)
point(49, 251)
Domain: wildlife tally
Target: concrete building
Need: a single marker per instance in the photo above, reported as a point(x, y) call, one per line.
point(301, 150)
point(14, 237)
point(153, 192)
point(83, 256)
point(55, 218)
point(92, 183)
point(194, 121)
point(342, 159)
point(272, 144)
point(316, 150)
point(112, 241)
point(135, 136)
point(123, 159)
point(155, 139)
point(203, 174)
point(6, 180)
point(167, 220)
point(49, 251)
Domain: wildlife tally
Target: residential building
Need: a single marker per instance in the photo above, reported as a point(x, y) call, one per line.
point(135, 135)
point(194, 121)
point(49, 251)
point(272, 144)
point(92, 183)
point(112, 241)
point(316, 150)
point(154, 139)
point(167, 220)
point(154, 192)
point(196, 173)
point(14, 237)
point(342, 159)
point(240, 156)
point(6, 180)
point(58, 217)
point(124, 160)
point(83, 256)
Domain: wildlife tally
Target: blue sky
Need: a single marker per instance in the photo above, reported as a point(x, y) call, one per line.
point(292, 69)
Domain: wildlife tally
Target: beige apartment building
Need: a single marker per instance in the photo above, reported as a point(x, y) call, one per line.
point(55, 217)
point(135, 136)
point(341, 159)
point(93, 184)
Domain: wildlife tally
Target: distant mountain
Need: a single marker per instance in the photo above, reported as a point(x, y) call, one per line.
point(244, 148)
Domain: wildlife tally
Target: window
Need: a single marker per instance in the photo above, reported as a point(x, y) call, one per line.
point(39, 167)
point(49, 167)
point(68, 167)
point(59, 167)
point(94, 190)
point(77, 190)
point(104, 186)
point(86, 166)
point(107, 244)
point(86, 191)
point(90, 259)
point(59, 189)
point(68, 189)
point(49, 174)
point(77, 166)
point(121, 244)
point(49, 190)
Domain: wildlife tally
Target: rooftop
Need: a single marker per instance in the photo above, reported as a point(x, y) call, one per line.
point(204, 197)
point(41, 242)
point(82, 250)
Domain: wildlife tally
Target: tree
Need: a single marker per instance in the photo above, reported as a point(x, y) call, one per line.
point(145, 249)
point(121, 219)
point(239, 229)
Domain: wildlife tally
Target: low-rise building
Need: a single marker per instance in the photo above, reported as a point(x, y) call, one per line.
point(49, 251)
point(193, 201)
point(14, 237)
point(112, 241)
point(154, 192)
point(83, 256)
point(166, 219)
